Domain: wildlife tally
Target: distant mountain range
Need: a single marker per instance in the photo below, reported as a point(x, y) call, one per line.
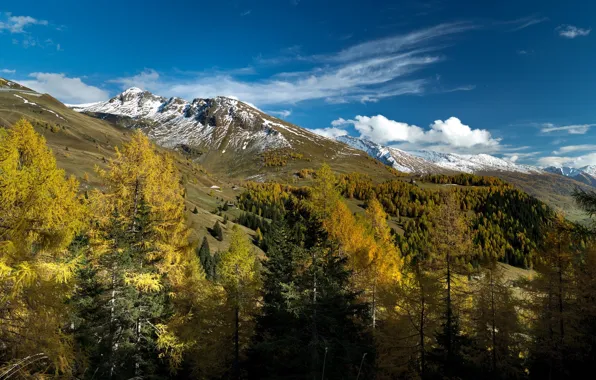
point(426, 161)
point(224, 126)
point(586, 174)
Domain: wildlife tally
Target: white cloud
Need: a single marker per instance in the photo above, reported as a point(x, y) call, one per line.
point(576, 129)
point(245, 13)
point(574, 162)
point(443, 135)
point(575, 148)
point(17, 24)
point(282, 113)
point(67, 90)
point(330, 132)
point(570, 31)
point(366, 72)
point(382, 130)
point(454, 133)
point(7, 71)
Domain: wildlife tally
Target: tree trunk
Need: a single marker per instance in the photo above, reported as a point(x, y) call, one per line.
point(421, 331)
point(315, 335)
point(237, 330)
point(449, 312)
point(494, 329)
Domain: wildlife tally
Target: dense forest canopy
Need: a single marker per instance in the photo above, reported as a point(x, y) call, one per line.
point(343, 278)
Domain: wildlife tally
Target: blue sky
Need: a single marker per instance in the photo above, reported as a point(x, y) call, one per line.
point(510, 78)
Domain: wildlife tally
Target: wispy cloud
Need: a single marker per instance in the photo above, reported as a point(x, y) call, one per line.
point(18, 24)
point(395, 44)
point(570, 31)
point(282, 113)
point(469, 87)
point(525, 22)
point(245, 13)
point(575, 148)
point(576, 129)
point(7, 71)
point(366, 72)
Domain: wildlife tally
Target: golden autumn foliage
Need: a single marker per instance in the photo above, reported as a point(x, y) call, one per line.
point(366, 241)
point(39, 216)
point(138, 174)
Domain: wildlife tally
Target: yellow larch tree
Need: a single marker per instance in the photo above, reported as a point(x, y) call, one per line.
point(140, 249)
point(238, 272)
point(39, 216)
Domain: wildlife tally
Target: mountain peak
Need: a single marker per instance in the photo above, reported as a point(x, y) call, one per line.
point(132, 90)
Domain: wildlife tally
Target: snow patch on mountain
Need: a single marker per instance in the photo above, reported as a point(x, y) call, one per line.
point(425, 161)
point(216, 123)
point(473, 163)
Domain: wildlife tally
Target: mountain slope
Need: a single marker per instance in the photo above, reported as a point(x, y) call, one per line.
point(586, 174)
point(396, 158)
point(227, 135)
point(553, 189)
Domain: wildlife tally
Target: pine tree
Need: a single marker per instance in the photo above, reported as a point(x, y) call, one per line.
point(195, 210)
point(217, 232)
point(207, 260)
point(313, 325)
point(39, 216)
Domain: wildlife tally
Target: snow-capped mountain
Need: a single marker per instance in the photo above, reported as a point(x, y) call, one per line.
point(396, 158)
point(474, 163)
point(586, 174)
point(589, 169)
point(214, 124)
point(424, 161)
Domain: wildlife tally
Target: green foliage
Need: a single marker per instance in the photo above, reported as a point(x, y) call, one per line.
point(208, 261)
point(217, 231)
point(310, 315)
point(507, 224)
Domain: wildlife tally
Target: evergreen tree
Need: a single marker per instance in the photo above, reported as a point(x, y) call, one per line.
point(313, 325)
point(217, 232)
point(206, 259)
point(195, 210)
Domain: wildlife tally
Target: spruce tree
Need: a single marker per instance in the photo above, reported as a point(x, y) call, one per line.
point(206, 259)
point(313, 325)
point(217, 232)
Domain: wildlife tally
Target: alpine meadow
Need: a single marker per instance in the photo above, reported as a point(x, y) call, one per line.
point(297, 190)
